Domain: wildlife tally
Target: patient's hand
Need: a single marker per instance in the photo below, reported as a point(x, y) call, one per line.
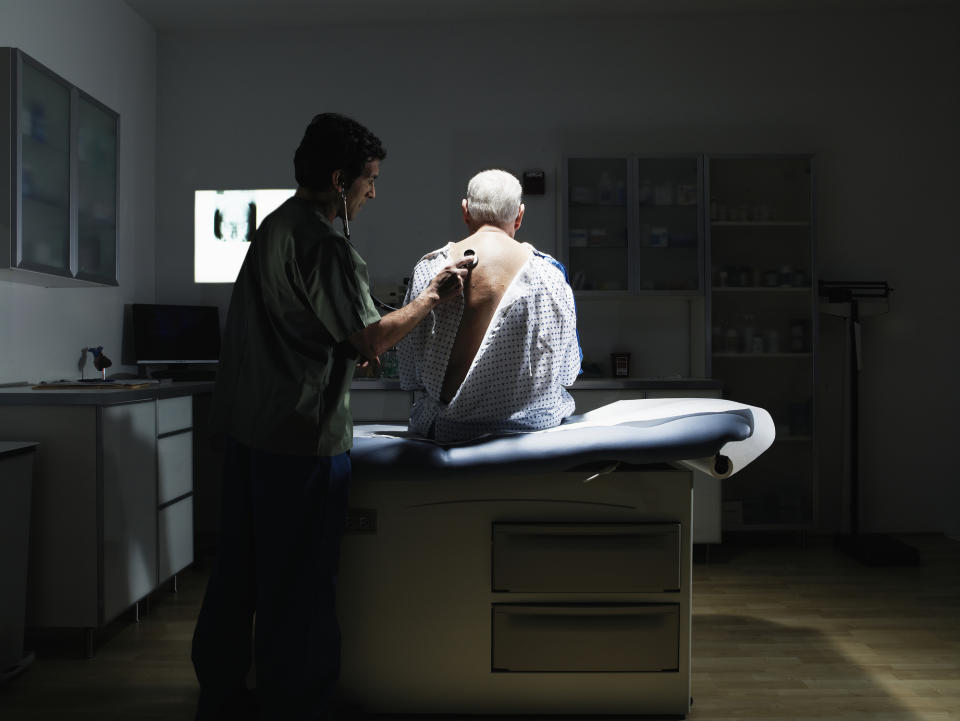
point(371, 367)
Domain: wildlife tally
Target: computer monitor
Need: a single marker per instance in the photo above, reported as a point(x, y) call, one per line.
point(176, 334)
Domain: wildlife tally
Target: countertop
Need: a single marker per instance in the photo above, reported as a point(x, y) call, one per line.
point(26, 395)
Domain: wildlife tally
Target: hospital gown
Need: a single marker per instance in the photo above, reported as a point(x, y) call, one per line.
point(516, 382)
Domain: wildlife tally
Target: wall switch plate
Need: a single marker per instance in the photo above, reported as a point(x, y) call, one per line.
point(361, 520)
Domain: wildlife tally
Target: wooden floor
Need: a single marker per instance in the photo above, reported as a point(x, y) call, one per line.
point(779, 632)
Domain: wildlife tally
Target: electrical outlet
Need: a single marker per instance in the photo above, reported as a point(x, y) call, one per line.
point(361, 520)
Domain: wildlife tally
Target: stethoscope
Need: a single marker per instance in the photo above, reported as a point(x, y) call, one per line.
point(346, 234)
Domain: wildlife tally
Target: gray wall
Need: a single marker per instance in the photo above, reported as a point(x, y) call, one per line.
point(108, 51)
point(874, 96)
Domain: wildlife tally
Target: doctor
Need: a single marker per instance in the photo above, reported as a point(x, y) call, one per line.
point(300, 317)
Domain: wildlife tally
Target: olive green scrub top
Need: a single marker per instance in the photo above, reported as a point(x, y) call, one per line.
point(283, 384)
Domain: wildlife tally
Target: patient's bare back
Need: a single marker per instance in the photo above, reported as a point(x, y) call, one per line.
point(500, 259)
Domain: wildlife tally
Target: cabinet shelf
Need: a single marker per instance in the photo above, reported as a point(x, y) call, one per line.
point(760, 289)
point(45, 145)
point(759, 223)
point(607, 294)
point(756, 356)
point(47, 201)
point(634, 294)
point(667, 206)
point(594, 246)
point(97, 222)
point(766, 527)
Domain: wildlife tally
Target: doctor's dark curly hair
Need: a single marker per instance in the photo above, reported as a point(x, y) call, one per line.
point(333, 141)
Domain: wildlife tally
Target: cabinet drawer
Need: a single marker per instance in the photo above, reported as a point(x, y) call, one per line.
point(586, 637)
point(601, 558)
point(174, 414)
point(593, 398)
point(174, 466)
point(175, 526)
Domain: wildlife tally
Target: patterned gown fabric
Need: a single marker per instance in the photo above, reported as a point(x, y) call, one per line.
point(516, 381)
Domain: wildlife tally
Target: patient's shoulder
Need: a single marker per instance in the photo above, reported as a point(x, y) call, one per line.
point(549, 264)
point(443, 253)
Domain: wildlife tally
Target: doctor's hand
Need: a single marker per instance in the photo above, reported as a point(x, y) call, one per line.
point(378, 337)
point(448, 283)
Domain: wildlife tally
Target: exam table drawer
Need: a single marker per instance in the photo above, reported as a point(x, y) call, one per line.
point(586, 637)
point(591, 558)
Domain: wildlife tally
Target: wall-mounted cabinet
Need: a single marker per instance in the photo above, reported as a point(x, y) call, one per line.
point(633, 224)
point(58, 179)
point(763, 319)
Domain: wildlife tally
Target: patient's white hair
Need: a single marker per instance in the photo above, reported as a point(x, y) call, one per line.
point(493, 196)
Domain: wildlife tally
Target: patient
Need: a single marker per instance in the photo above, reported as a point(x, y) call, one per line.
point(497, 360)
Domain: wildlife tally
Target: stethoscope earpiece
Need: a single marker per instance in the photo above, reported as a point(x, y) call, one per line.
point(346, 223)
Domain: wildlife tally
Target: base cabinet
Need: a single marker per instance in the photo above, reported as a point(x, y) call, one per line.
point(174, 504)
point(129, 511)
point(112, 514)
point(175, 538)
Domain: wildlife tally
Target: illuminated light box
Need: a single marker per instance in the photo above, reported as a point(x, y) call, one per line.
point(224, 224)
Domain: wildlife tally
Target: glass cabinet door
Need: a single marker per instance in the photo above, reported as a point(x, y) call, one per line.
point(44, 240)
point(97, 191)
point(597, 222)
point(669, 222)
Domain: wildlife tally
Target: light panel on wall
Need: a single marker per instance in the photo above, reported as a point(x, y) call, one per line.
point(224, 224)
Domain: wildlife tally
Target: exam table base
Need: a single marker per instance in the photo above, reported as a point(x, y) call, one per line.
point(421, 620)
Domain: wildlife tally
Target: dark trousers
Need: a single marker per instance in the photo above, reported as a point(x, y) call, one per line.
point(280, 526)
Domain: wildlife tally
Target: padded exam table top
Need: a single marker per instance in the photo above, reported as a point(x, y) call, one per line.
point(712, 435)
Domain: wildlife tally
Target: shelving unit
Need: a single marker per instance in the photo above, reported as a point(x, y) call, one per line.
point(733, 236)
point(762, 308)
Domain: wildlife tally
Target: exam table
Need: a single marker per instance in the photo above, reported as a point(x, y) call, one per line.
point(532, 573)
